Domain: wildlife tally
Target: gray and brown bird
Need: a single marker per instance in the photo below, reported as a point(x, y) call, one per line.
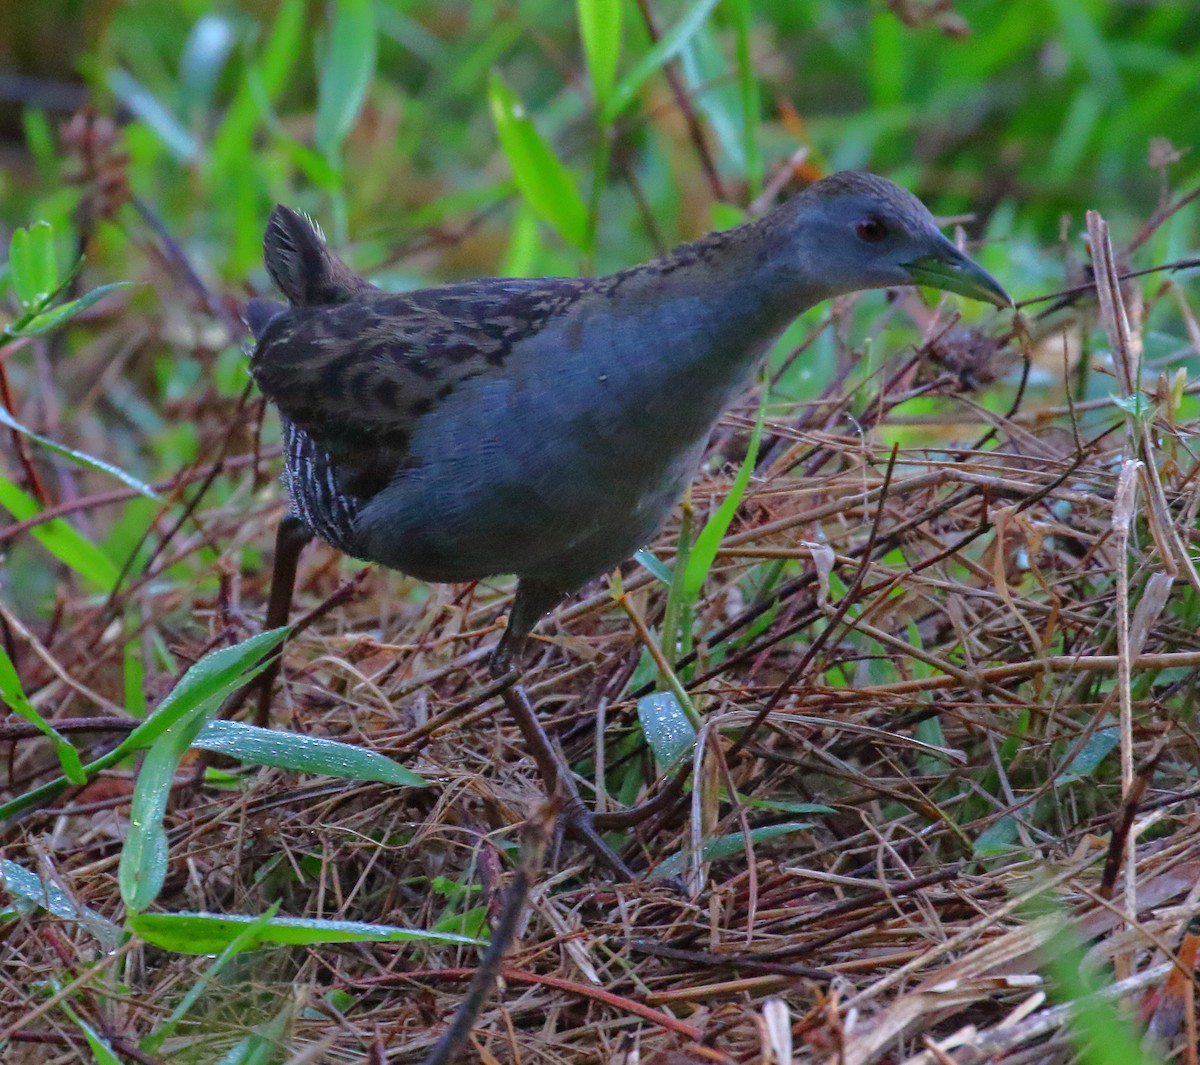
point(545, 427)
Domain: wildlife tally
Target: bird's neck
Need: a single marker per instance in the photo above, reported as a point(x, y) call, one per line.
point(714, 306)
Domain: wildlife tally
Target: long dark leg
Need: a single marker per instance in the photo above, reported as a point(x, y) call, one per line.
point(532, 601)
point(290, 539)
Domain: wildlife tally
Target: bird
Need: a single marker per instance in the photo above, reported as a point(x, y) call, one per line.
point(546, 427)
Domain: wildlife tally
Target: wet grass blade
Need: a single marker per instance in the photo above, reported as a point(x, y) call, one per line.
point(302, 754)
point(211, 933)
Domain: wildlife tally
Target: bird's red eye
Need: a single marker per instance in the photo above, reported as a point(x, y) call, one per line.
point(871, 230)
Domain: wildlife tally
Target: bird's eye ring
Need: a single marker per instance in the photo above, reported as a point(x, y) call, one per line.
point(871, 230)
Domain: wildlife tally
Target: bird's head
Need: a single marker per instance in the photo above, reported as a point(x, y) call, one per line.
point(859, 231)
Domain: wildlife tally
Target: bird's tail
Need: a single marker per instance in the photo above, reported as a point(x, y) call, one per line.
point(301, 264)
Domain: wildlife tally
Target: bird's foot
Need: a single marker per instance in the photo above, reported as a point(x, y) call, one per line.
point(579, 822)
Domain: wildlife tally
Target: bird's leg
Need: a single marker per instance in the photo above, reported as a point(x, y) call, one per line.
point(290, 539)
point(532, 601)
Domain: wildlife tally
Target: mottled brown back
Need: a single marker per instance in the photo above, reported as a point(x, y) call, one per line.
point(354, 368)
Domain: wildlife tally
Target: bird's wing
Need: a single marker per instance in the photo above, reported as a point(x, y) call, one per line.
point(356, 377)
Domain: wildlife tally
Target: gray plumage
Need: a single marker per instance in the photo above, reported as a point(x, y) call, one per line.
point(545, 427)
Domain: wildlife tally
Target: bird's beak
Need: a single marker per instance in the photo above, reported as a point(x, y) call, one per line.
point(948, 269)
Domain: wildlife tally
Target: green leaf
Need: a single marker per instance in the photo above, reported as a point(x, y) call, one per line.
point(210, 933)
point(1137, 406)
point(33, 264)
point(232, 142)
point(345, 74)
point(999, 838)
point(646, 559)
point(23, 884)
point(53, 318)
point(143, 865)
point(81, 457)
point(99, 1047)
point(21, 269)
point(715, 89)
point(726, 215)
point(12, 694)
point(544, 182)
point(152, 111)
point(708, 543)
point(41, 141)
point(787, 807)
point(302, 754)
point(205, 53)
point(668, 731)
point(170, 731)
point(1099, 746)
point(748, 91)
point(524, 244)
point(45, 262)
point(600, 31)
point(723, 847)
point(213, 677)
point(62, 540)
point(667, 48)
point(471, 923)
point(244, 940)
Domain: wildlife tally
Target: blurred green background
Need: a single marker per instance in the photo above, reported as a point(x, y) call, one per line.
point(1036, 107)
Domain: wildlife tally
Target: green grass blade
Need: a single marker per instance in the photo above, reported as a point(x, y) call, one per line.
point(101, 1051)
point(205, 53)
point(345, 74)
point(22, 883)
point(649, 561)
point(543, 180)
point(669, 732)
point(211, 933)
point(62, 540)
point(600, 31)
point(43, 258)
point(50, 320)
point(209, 680)
point(14, 696)
point(80, 457)
point(749, 94)
point(708, 543)
point(302, 754)
point(232, 142)
point(216, 674)
point(23, 269)
point(665, 49)
point(154, 113)
point(677, 616)
point(723, 847)
point(170, 731)
point(244, 940)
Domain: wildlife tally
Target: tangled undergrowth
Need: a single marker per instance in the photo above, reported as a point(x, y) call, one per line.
point(945, 667)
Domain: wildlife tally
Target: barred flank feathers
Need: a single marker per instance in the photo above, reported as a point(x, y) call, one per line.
point(312, 488)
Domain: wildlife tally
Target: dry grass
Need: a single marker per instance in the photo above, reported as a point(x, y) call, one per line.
point(995, 610)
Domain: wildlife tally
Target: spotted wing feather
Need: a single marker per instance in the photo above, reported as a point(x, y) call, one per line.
point(356, 377)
